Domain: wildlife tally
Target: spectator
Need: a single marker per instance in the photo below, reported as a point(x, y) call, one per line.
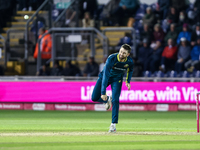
point(183, 55)
point(149, 17)
point(197, 9)
point(185, 33)
point(158, 33)
point(87, 6)
point(179, 5)
point(143, 53)
point(7, 9)
point(126, 8)
point(44, 71)
point(169, 56)
point(70, 20)
point(127, 39)
point(91, 68)
point(195, 34)
point(57, 69)
point(87, 21)
point(172, 34)
point(163, 7)
point(107, 12)
point(182, 20)
point(172, 16)
point(71, 70)
point(146, 33)
point(155, 58)
point(195, 57)
point(46, 46)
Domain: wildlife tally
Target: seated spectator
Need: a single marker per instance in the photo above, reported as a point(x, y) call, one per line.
point(146, 33)
point(127, 39)
point(172, 16)
point(87, 6)
point(179, 5)
point(155, 58)
point(126, 8)
point(44, 71)
point(87, 21)
point(91, 69)
point(172, 34)
point(56, 70)
point(46, 46)
point(110, 7)
point(163, 7)
point(182, 20)
point(183, 55)
point(70, 19)
point(169, 57)
point(195, 34)
point(185, 33)
point(143, 53)
point(149, 17)
point(195, 57)
point(197, 10)
point(71, 70)
point(7, 10)
point(158, 34)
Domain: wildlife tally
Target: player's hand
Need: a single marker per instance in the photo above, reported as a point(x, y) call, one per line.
point(124, 7)
point(104, 97)
point(128, 86)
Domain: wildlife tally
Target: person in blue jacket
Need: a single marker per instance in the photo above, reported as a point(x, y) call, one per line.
point(116, 66)
point(195, 57)
point(185, 33)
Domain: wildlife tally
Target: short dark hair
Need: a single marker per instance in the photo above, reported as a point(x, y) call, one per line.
point(127, 47)
point(43, 29)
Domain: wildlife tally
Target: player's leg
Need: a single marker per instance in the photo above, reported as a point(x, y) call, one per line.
point(96, 94)
point(116, 90)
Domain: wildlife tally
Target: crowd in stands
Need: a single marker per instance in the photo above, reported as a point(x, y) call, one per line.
point(168, 37)
point(168, 33)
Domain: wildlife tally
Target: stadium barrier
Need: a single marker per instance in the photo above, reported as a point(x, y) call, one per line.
point(96, 107)
point(54, 93)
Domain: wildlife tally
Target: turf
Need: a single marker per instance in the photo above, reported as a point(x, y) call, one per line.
point(88, 130)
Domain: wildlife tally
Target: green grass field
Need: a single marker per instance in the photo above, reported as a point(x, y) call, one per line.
point(52, 130)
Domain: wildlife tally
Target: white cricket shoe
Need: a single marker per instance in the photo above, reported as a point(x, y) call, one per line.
point(108, 104)
point(112, 129)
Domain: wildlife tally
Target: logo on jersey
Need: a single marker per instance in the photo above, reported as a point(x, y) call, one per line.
point(126, 66)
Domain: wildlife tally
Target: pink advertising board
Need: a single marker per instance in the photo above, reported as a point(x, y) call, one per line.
point(80, 92)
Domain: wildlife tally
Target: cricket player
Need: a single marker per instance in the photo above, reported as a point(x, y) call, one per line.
point(112, 74)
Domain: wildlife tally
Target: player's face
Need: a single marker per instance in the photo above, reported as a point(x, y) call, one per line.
point(123, 53)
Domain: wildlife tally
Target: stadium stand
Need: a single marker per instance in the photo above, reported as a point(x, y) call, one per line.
point(22, 30)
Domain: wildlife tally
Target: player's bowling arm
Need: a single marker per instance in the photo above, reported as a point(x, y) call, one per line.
point(129, 74)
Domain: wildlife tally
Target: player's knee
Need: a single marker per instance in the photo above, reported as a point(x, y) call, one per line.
point(115, 101)
point(94, 98)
